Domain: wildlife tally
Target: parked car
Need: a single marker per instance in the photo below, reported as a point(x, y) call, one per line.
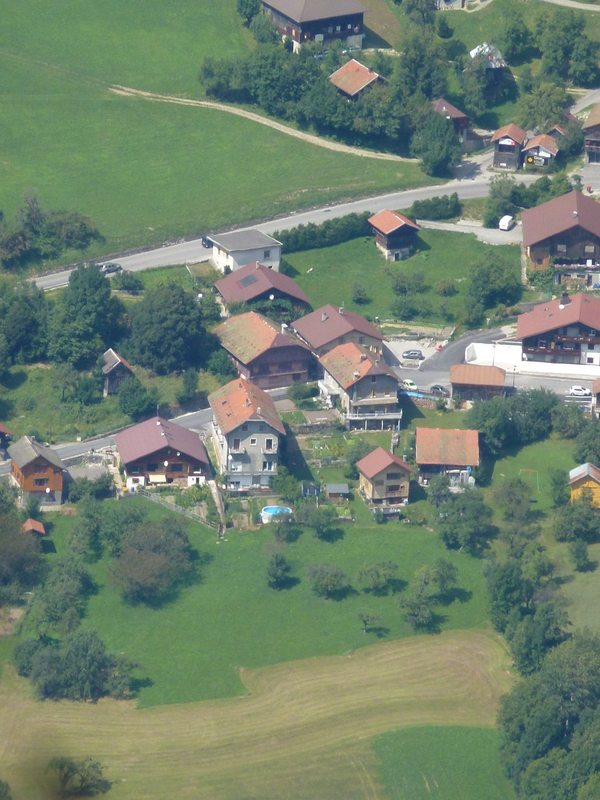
point(206, 242)
point(415, 354)
point(409, 386)
point(439, 391)
point(506, 223)
point(579, 391)
point(109, 267)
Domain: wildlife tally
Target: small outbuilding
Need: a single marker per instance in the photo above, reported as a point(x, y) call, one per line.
point(384, 478)
point(337, 491)
point(34, 526)
point(234, 250)
point(458, 118)
point(585, 480)
point(353, 78)
point(475, 382)
point(540, 151)
point(115, 370)
point(591, 130)
point(447, 451)
point(394, 234)
point(508, 143)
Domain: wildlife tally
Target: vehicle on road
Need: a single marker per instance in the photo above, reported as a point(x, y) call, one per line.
point(506, 223)
point(579, 391)
point(413, 354)
point(409, 386)
point(206, 242)
point(439, 391)
point(109, 267)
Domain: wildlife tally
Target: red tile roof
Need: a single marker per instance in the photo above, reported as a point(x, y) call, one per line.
point(378, 460)
point(240, 401)
point(350, 363)
point(572, 210)
point(476, 375)
point(4, 430)
point(247, 336)
point(447, 446)
point(446, 109)
point(353, 77)
point(548, 316)
point(543, 140)
point(328, 323)
point(389, 221)
point(153, 435)
point(33, 526)
point(254, 280)
point(512, 131)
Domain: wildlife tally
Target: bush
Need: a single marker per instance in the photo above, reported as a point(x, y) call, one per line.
point(359, 294)
point(444, 207)
point(128, 282)
point(221, 365)
point(579, 554)
point(333, 231)
point(135, 400)
point(190, 385)
point(327, 580)
point(278, 570)
point(446, 288)
point(24, 654)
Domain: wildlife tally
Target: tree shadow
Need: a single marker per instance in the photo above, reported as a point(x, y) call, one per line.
point(135, 684)
point(342, 594)
point(462, 595)
point(285, 584)
point(379, 630)
point(12, 380)
point(373, 40)
point(417, 492)
point(591, 566)
point(454, 48)
point(393, 586)
point(332, 535)
point(435, 625)
point(48, 546)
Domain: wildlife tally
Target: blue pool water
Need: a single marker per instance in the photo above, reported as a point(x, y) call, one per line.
point(274, 510)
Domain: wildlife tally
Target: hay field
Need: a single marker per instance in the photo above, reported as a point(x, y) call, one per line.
point(303, 731)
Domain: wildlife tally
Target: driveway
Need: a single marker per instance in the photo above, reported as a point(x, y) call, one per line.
point(487, 235)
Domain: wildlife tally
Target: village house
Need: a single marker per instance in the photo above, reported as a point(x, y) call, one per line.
point(458, 118)
point(475, 382)
point(384, 479)
point(562, 331)
point(566, 230)
point(539, 151)
point(591, 130)
point(508, 143)
point(321, 21)
point(160, 452)
point(363, 384)
point(115, 370)
point(266, 352)
point(353, 78)
point(231, 251)
point(585, 480)
point(447, 451)
point(394, 234)
point(327, 327)
point(245, 431)
point(37, 471)
point(255, 282)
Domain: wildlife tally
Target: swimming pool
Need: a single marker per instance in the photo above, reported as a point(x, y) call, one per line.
point(269, 512)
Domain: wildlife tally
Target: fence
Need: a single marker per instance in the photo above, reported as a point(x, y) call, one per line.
point(172, 507)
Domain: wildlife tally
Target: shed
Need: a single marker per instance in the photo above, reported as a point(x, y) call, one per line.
point(394, 234)
point(115, 370)
point(337, 490)
point(34, 526)
point(475, 382)
point(508, 142)
point(353, 78)
point(585, 479)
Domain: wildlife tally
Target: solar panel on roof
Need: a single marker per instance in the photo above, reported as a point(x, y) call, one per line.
point(248, 281)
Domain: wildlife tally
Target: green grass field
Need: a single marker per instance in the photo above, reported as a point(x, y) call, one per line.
point(441, 256)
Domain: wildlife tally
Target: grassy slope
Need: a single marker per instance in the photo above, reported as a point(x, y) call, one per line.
point(442, 256)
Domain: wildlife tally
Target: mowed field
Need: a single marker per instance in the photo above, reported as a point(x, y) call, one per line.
point(303, 731)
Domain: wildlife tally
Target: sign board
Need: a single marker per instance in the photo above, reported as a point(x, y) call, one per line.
point(539, 161)
point(508, 141)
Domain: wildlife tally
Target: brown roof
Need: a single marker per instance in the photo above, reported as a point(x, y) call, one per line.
point(248, 336)
point(353, 77)
point(33, 526)
point(446, 109)
point(254, 280)
point(111, 359)
point(390, 221)
point(4, 430)
point(572, 210)
point(512, 131)
point(475, 375)
point(27, 449)
point(548, 316)
point(593, 118)
point(543, 140)
point(378, 460)
point(328, 323)
point(240, 401)
point(350, 363)
point(154, 435)
point(311, 10)
point(447, 446)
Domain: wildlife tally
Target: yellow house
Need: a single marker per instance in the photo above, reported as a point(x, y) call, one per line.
point(585, 478)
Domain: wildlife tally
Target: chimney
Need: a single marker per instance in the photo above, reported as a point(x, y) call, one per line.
point(258, 410)
point(363, 357)
point(284, 327)
point(323, 316)
point(341, 309)
point(575, 214)
point(564, 300)
point(356, 373)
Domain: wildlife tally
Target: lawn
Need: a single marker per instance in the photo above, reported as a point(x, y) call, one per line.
point(440, 255)
point(448, 763)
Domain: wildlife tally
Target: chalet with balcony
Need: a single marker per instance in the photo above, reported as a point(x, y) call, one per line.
point(508, 143)
point(384, 479)
point(591, 130)
point(256, 283)
point(562, 331)
point(564, 231)
point(115, 370)
point(246, 431)
point(232, 251)
point(37, 471)
point(395, 234)
point(321, 21)
point(475, 382)
point(447, 451)
point(159, 452)
point(328, 327)
point(364, 385)
point(266, 352)
point(353, 78)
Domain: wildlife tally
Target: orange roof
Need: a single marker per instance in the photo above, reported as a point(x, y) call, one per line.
point(378, 460)
point(353, 77)
point(476, 375)
point(33, 526)
point(547, 316)
point(512, 131)
point(350, 363)
point(447, 446)
point(240, 401)
point(390, 221)
point(247, 336)
point(543, 140)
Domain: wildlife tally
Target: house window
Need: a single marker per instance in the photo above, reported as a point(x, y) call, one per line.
point(40, 481)
point(236, 444)
point(378, 483)
point(395, 488)
point(373, 378)
point(394, 476)
point(591, 346)
point(151, 467)
point(338, 28)
point(349, 26)
point(176, 467)
point(589, 248)
point(261, 427)
point(539, 262)
point(267, 466)
point(268, 444)
point(236, 466)
point(387, 391)
point(561, 248)
point(244, 427)
point(253, 441)
point(266, 254)
point(590, 361)
point(40, 469)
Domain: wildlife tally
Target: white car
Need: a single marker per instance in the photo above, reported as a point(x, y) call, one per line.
point(579, 391)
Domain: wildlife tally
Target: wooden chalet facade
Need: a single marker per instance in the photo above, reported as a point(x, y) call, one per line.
point(539, 151)
point(321, 21)
point(394, 234)
point(37, 471)
point(508, 143)
point(591, 130)
point(584, 481)
point(115, 370)
point(475, 382)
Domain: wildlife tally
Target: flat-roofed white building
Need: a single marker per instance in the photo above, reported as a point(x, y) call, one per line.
point(236, 249)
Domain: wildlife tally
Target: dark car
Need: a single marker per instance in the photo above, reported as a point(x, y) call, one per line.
point(206, 242)
point(110, 267)
point(416, 354)
point(439, 391)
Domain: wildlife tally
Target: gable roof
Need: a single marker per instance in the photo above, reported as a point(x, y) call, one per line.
point(353, 77)
point(476, 375)
point(572, 210)
point(247, 336)
point(584, 471)
point(556, 314)
point(155, 434)
point(378, 460)
point(26, 450)
point(543, 140)
point(33, 526)
point(350, 363)
point(389, 221)
point(4, 430)
point(328, 323)
point(240, 401)
point(112, 360)
point(255, 279)
point(593, 118)
point(512, 131)
point(311, 10)
point(447, 446)
point(242, 240)
point(446, 109)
